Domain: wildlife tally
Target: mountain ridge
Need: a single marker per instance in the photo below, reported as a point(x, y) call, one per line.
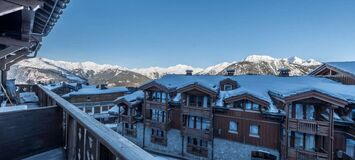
point(46, 70)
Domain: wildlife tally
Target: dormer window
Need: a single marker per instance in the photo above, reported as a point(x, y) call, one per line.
point(228, 87)
point(228, 84)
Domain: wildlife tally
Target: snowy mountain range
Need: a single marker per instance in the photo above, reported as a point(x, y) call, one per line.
point(46, 70)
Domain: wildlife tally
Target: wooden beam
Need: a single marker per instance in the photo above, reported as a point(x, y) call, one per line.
point(14, 42)
point(8, 7)
point(8, 65)
point(32, 4)
point(9, 50)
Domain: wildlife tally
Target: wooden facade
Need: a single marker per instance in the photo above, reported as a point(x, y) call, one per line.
point(309, 132)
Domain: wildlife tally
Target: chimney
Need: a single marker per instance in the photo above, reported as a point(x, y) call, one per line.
point(230, 72)
point(189, 72)
point(284, 72)
point(102, 86)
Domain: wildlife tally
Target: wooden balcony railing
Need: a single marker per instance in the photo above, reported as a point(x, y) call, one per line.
point(196, 111)
point(154, 104)
point(62, 125)
point(158, 140)
point(201, 133)
point(306, 155)
point(197, 150)
point(311, 127)
point(155, 124)
point(127, 119)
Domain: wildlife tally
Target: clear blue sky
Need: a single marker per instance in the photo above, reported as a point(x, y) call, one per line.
point(141, 33)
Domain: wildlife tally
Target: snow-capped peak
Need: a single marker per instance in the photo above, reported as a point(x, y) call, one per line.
point(259, 58)
point(290, 60)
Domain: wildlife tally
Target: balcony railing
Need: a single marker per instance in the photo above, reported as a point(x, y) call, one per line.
point(306, 155)
point(30, 132)
point(196, 111)
point(201, 133)
point(156, 124)
point(127, 119)
point(197, 150)
point(155, 105)
point(159, 140)
point(311, 127)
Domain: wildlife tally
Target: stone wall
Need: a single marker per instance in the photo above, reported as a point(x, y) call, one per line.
point(225, 149)
point(174, 142)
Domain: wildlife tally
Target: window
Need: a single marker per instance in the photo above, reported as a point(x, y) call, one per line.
point(238, 104)
point(228, 87)
point(353, 114)
point(206, 101)
point(158, 115)
point(233, 127)
point(192, 100)
point(206, 124)
point(191, 122)
point(299, 140)
point(310, 112)
point(299, 111)
point(97, 109)
point(255, 107)
point(350, 147)
point(163, 97)
point(254, 130)
point(310, 142)
point(199, 101)
point(198, 123)
point(290, 111)
point(156, 132)
point(88, 109)
point(247, 105)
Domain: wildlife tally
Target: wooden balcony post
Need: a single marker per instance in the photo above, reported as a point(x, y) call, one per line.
point(331, 131)
point(286, 130)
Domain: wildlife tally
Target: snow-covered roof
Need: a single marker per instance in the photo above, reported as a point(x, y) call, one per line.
point(348, 67)
point(59, 85)
point(13, 108)
point(261, 85)
point(92, 90)
point(26, 97)
point(133, 98)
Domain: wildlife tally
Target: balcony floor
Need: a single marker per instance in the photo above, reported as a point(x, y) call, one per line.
point(54, 154)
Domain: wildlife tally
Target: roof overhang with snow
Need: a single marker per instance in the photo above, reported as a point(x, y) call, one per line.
point(247, 96)
point(23, 23)
point(198, 87)
point(325, 66)
point(153, 85)
point(336, 102)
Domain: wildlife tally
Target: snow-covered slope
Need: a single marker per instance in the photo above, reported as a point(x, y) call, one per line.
point(262, 64)
point(45, 70)
point(157, 72)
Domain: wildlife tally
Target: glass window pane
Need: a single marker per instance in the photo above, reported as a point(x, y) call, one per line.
point(299, 140)
point(233, 126)
point(247, 105)
point(350, 147)
point(299, 111)
point(254, 130)
point(310, 112)
point(198, 122)
point(310, 142)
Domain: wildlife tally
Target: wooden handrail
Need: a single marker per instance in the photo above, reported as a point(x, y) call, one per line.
point(117, 144)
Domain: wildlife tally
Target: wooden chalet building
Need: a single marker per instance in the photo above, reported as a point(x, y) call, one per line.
point(247, 117)
point(128, 109)
point(343, 72)
point(96, 100)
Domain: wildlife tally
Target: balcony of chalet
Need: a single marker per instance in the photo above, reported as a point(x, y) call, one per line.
point(55, 129)
point(196, 105)
point(194, 126)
